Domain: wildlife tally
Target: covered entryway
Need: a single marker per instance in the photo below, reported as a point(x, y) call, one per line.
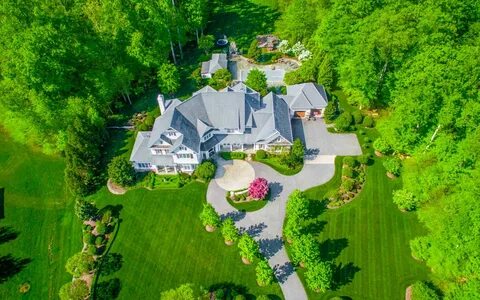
point(300, 114)
point(316, 113)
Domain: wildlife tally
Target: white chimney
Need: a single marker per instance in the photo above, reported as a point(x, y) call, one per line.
point(161, 103)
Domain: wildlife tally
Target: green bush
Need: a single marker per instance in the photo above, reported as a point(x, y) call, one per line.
point(149, 120)
point(88, 238)
point(92, 249)
point(100, 240)
point(344, 121)
point(331, 111)
point(232, 155)
point(350, 161)
point(347, 172)
point(404, 199)
point(253, 51)
point(206, 170)
point(392, 165)
point(261, 154)
point(368, 122)
point(100, 227)
point(357, 117)
point(422, 291)
point(348, 185)
point(381, 146)
point(364, 159)
point(220, 79)
point(121, 171)
point(361, 132)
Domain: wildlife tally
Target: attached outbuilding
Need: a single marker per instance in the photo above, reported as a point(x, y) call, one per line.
point(306, 100)
point(218, 61)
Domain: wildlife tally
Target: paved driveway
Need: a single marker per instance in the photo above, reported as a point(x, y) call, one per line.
point(322, 145)
point(266, 224)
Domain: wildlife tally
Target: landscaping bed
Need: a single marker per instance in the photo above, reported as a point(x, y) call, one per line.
point(233, 155)
point(243, 203)
point(154, 181)
point(275, 162)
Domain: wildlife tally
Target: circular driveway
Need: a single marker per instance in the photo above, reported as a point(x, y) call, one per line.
point(234, 174)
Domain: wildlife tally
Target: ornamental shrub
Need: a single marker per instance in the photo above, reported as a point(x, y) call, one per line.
point(121, 171)
point(392, 165)
point(350, 161)
point(92, 250)
point(79, 264)
point(347, 172)
point(258, 189)
point(368, 122)
point(357, 117)
point(364, 159)
point(404, 199)
point(423, 291)
point(206, 170)
point(261, 154)
point(100, 227)
point(209, 216)
point(348, 185)
point(381, 146)
point(344, 121)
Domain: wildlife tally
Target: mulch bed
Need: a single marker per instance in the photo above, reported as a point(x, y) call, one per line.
point(115, 189)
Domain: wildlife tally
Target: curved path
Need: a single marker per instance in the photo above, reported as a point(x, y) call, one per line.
point(266, 225)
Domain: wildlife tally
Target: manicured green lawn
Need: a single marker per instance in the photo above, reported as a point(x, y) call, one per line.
point(38, 209)
point(368, 239)
point(164, 245)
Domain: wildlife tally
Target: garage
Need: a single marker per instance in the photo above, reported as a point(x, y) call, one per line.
point(299, 114)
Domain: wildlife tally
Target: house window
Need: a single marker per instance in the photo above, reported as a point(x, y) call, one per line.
point(207, 136)
point(230, 130)
point(160, 151)
point(171, 133)
point(182, 148)
point(144, 165)
point(185, 155)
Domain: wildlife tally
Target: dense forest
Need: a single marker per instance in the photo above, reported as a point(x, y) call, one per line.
point(420, 61)
point(67, 65)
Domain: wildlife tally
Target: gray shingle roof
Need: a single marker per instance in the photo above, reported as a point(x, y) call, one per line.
point(218, 61)
point(306, 96)
point(238, 108)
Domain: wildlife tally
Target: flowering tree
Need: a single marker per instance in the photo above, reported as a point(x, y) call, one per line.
point(258, 189)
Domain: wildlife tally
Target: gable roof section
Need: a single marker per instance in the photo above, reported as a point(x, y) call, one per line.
point(306, 96)
point(218, 61)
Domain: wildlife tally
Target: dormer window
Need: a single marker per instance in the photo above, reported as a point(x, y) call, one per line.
point(207, 136)
point(171, 134)
point(230, 130)
point(182, 148)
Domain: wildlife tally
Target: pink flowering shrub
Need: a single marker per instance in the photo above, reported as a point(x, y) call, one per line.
point(258, 189)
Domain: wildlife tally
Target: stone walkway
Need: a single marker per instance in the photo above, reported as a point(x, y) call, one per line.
point(266, 225)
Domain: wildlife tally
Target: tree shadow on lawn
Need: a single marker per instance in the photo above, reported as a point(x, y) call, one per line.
point(2, 203)
point(314, 227)
point(7, 234)
point(241, 20)
point(330, 249)
point(10, 266)
point(343, 274)
point(316, 208)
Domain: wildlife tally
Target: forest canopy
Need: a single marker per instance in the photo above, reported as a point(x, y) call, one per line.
point(419, 61)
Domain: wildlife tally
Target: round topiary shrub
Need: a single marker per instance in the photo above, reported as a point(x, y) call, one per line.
point(206, 170)
point(258, 189)
point(88, 238)
point(261, 154)
point(392, 165)
point(99, 240)
point(344, 121)
point(368, 122)
point(381, 146)
point(101, 228)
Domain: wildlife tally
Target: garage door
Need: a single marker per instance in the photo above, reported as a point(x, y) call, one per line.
point(299, 114)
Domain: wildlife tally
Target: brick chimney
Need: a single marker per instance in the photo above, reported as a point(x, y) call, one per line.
point(161, 103)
